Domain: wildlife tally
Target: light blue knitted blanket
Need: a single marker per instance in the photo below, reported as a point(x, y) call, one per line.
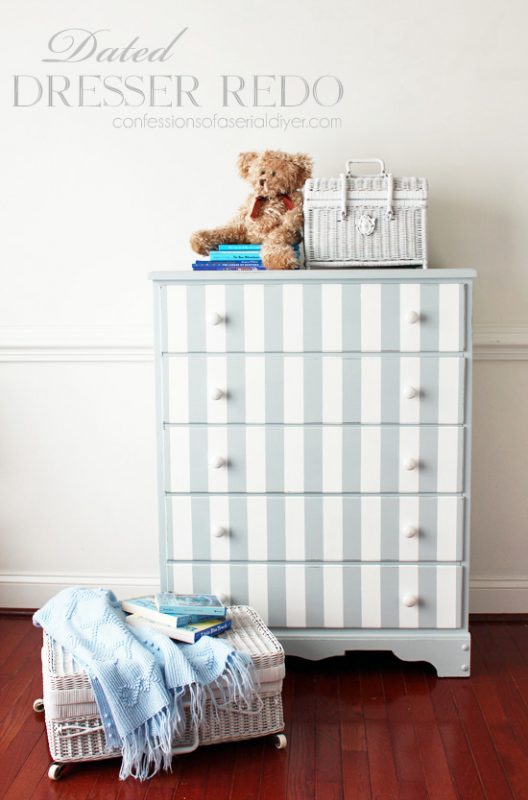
point(140, 678)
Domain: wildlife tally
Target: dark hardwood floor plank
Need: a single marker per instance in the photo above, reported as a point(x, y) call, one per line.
point(354, 758)
point(11, 635)
point(13, 758)
point(409, 768)
point(247, 768)
point(193, 776)
point(459, 755)
point(514, 759)
point(156, 792)
point(480, 739)
point(78, 780)
point(431, 751)
point(382, 767)
point(301, 762)
point(33, 768)
point(274, 776)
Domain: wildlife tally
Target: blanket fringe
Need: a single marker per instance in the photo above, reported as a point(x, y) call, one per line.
point(149, 748)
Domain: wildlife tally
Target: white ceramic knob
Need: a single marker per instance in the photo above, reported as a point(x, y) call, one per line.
point(218, 461)
point(410, 464)
point(218, 531)
point(410, 531)
point(217, 393)
point(412, 316)
point(410, 600)
point(215, 318)
point(410, 391)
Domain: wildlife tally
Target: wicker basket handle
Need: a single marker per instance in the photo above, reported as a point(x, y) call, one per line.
point(378, 161)
point(390, 184)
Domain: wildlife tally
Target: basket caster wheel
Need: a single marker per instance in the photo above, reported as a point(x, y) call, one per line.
point(280, 741)
point(55, 771)
point(38, 705)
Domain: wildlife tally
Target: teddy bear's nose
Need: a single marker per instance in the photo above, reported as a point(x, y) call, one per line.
point(262, 181)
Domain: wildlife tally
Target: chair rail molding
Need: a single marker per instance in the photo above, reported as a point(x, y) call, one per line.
point(133, 343)
point(75, 343)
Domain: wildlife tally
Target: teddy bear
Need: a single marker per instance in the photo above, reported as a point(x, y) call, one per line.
point(272, 214)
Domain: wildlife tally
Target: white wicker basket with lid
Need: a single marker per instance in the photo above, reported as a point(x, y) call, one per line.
point(365, 220)
point(74, 728)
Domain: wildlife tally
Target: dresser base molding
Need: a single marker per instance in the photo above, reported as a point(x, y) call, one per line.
point(449, 653)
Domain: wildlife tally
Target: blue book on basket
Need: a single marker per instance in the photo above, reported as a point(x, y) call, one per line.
point(211, 626)
point(146, 607)
point(206, 604)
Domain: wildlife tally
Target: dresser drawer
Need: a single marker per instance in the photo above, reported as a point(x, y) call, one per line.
point(314, 317)
point(330, 459)
point(315, 528)
point(334, 596)
point(315, 388)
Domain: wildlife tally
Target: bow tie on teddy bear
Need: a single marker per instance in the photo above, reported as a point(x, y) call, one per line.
point(272, 215)
point(260, 202)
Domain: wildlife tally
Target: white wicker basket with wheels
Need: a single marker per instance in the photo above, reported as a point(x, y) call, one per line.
point(74, 728)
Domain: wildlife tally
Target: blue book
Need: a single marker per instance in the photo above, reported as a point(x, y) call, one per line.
point(146, 607)
point(227, 265)
point(247, 246)
point(206, 604)
point(233, 255)
point(189, 633)
point(239, 247)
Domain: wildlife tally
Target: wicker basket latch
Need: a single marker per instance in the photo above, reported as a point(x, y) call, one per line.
point(349, 174)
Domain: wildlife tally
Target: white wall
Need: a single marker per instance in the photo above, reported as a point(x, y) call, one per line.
point(437, 89)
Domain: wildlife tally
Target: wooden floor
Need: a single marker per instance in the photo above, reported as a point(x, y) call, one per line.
point(362, 726)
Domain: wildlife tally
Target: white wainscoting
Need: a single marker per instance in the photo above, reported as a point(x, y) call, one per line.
point(77, 463)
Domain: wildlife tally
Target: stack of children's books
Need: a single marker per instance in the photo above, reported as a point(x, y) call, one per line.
point(184, 617)
point(237, 257)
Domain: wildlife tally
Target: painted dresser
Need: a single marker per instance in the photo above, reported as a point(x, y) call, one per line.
point(314, 441)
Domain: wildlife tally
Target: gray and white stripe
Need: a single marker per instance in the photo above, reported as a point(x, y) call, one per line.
point(368, 317)
point(330, 459)
point(334, 389)
point(315, 528)
point(332, 595)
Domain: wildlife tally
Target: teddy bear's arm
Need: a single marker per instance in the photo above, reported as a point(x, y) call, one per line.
point(206, 240)
point(288, 231)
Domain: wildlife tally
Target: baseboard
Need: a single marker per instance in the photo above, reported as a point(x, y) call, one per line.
point(488, 594)
point(133, 343)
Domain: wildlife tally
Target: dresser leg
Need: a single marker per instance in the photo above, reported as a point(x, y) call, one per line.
point(450, 657)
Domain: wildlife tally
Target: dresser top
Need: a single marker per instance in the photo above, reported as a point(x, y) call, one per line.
point(316, 276)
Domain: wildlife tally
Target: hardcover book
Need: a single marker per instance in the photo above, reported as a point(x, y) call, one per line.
point(188, 633)
point(147, 608)
point(227, 265)
point(205, 604)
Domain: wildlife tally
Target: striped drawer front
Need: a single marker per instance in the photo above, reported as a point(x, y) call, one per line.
point(331, 459)
point(333, 596)
point(315, 528)
point(276, 388)
point(311, 317)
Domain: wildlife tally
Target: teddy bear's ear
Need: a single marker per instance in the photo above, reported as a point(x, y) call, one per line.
point(244, 162)
point(304, 165)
